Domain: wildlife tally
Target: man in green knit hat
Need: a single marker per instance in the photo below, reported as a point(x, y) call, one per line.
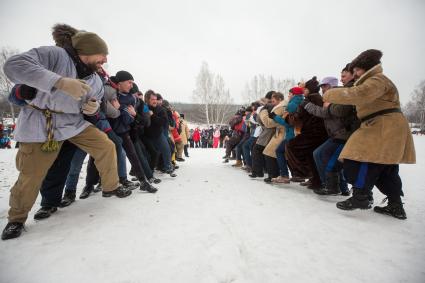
point(67, 87)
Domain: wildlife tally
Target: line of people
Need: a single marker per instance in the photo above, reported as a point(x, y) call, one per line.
point(355, 134)
point(70, 108)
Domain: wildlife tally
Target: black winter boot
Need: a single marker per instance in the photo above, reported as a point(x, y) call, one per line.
point(68, 198)
point(360, 199)
point(154, 180)
point(332, 185)
point(44, 212)
point(128, 184)
point(145, 186)
point(120, 192)
point(12, 230)
point(87, 190)
point(394, 209)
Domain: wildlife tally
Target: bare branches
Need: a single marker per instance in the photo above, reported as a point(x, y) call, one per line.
point(212, 94)
point(260, 85)
point(5, 84)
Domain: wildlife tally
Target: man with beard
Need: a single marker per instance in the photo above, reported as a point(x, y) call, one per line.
point(55, 115)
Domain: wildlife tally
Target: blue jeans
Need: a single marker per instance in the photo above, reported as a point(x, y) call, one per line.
point(281, 160)
point(246, 150)
point(74, 171)
point(160, 143)
point(326, 159)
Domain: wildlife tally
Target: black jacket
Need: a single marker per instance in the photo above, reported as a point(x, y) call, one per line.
point(159, 121)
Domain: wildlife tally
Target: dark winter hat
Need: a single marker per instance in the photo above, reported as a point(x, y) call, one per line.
point(62, 34)
point(134, 89)
point(312, 85)
point(296, 90)
point(89, 43)
point(166, 104)
point(123, 76)
point(113, 79)
point(269, 94)
point(367, 59)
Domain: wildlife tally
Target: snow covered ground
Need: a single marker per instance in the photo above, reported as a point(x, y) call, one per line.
point(213, 224)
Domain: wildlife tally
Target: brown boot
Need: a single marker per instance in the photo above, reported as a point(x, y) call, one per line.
point(238, 163)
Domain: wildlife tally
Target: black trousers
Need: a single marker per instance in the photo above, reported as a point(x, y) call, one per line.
point(53, 184)
point(365, 175)
point(271, 166)
point(186, 150)
point(131, 153)
point(232, 143)
point(258, 160)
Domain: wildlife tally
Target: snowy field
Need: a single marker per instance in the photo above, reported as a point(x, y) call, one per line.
point(213, 224)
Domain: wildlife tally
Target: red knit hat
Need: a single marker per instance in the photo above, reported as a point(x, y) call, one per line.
point(296, 90)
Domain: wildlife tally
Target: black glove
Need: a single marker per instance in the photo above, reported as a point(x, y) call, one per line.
point(272, 115)
point(26, 92)
point(304, 103)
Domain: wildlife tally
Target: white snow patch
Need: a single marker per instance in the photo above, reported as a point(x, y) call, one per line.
point(213, 224)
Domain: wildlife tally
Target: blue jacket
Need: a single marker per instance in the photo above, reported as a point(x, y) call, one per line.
point(122, 124)
point(291, 108)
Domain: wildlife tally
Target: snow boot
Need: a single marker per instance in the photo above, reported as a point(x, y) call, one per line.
point(44, 212)
point(68, 198)
point(360, 199)
point(179, 159)
point(98, 188)
point(120, 192)
point(332, 185)
point(12, 230)
point(87, 190)
point(281, 180)
point(253, 175)
point(309, 182)
point(154, 180)
point(238, 163)
point(297, 179)
point(128, 184)
point(268, 180)
point(145, 186)
point(394, 209)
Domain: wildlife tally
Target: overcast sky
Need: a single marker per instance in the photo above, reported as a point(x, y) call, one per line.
point(163, 43)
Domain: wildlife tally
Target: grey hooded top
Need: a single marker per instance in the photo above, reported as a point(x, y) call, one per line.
point(41, 68)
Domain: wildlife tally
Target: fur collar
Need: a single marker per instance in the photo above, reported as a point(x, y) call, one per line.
point(370, 73)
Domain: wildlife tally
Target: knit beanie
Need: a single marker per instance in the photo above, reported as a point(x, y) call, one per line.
point(312, 85)
point(134, 89)
point(296, 90)
point(123, 76)
point(367, 59)
point(89, 43)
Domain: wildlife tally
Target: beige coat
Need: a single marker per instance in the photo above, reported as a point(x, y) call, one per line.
point(279, 134)
point(184, 132)
point(385, 139)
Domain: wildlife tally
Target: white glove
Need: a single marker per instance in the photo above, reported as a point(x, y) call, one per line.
point(73, 87)
point(90, 108)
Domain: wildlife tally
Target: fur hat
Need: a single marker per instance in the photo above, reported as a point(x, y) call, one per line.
point(85, 43)
point(62, 34)
point(312, 85)
point(367, 59)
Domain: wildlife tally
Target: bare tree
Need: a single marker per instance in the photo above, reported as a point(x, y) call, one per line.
point(415, 109)
point(260, 85)
point(212, 94)
point(5, 84)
